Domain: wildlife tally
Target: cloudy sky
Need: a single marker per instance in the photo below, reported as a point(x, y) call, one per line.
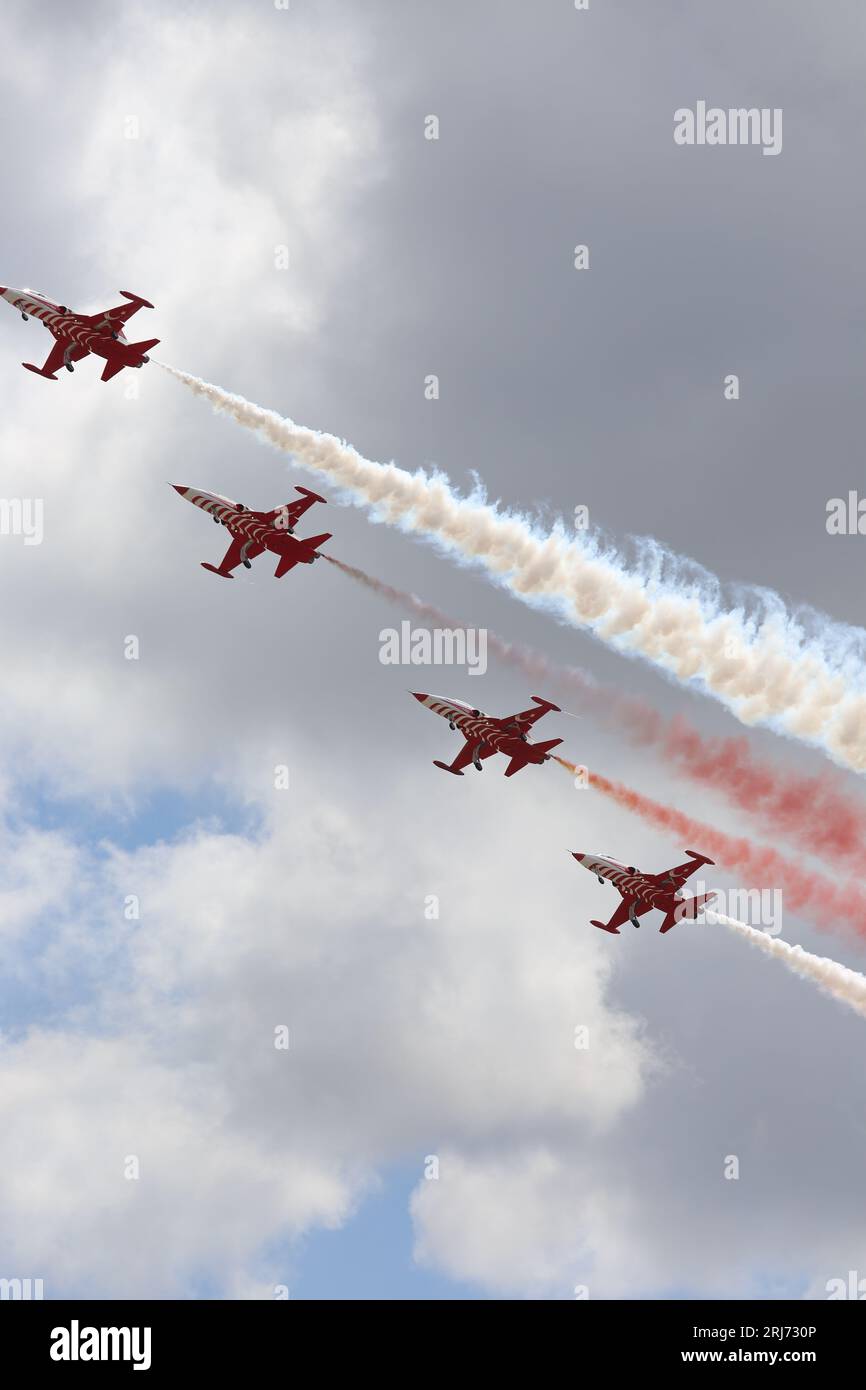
point(165, 907)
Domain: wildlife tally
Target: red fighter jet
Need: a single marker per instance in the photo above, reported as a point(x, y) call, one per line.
point(254, 532)
point(642, 892)
point(78, 335)
point(486, 735)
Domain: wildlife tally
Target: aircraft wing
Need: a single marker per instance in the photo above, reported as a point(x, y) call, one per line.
point(57, 356)
point(118, 316)
point(232, 557)
point(465, 757)
point(676, 877)
point(525, 718)
point(621, 915)
point(288, 516)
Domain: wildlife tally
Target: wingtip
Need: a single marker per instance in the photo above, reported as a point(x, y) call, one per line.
point(543, 700)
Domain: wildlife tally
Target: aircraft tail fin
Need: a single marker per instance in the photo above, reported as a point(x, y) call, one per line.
point(687, 910)
point(112, 367)
point(286, 562)
point(127, 355)
point(40, 371)
point(313, 542)
point(530, 755)
point(446, 768)
point(696, 904)
point(516, 764)
point(295, 552)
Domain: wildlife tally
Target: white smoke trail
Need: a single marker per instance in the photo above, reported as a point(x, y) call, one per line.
point(800, 672)
point(831, 977)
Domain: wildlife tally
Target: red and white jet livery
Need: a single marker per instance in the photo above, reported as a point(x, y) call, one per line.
point(642, 892)
point(486, 735)
point(253, 533)
point(78, 335)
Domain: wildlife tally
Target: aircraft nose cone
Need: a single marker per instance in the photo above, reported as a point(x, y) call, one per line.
point(179, 487)
point(578, 856)
point(422, 698)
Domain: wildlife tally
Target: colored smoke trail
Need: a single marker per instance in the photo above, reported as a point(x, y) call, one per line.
point(816, 812)
point(392, 595)
point(825, 902)
point(798, 671)
point(530, 662)
point(831, 977)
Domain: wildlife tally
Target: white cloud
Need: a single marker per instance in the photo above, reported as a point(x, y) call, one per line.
point(80, 1109)
point(406, 1034)
point(409, 1036)
point(524, 1221)
point(188, 214)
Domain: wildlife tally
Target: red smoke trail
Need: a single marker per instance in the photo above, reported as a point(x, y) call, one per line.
point(725, 764)
point(804, 890)
point(398, 596)
point(818, 812)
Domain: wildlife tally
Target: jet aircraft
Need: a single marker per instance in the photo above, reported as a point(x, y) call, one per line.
point(253, 533)
point(78, 335)
point(485, 735)
point(643, 892)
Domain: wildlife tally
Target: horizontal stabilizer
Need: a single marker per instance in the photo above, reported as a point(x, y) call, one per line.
point(527, 754)
point(687, 910)
point(112, 367)
point(313, 542)
point(518, 762)
point(690, 907)
point(127, 355)
point(299, 552)
point(286, 562)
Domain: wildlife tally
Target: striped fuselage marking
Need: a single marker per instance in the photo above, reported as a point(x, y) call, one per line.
point(242, 524)
point(66, 326)
point(476, 728)
point(630, 885)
